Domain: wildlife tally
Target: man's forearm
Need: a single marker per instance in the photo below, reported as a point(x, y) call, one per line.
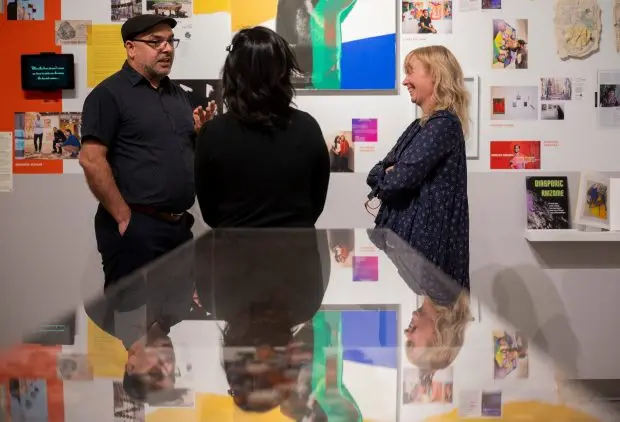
point(101, 183)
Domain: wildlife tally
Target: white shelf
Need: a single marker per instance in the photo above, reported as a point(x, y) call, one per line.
point(571, 235)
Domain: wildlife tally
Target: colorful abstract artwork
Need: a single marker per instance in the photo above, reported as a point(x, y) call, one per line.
point(333, 40)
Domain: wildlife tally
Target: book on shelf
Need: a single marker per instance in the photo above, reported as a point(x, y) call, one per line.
point(547, 203)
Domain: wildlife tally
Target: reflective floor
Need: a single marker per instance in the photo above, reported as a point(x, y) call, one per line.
point(305, 325)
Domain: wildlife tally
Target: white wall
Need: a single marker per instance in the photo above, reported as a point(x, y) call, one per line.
point(471, 42)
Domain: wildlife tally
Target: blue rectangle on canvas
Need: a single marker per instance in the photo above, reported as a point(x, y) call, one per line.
point(359, 72)
point(370, 337)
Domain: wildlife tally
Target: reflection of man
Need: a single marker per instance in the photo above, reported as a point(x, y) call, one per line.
point(141, 313)
point(425, 24)
point(137, 151)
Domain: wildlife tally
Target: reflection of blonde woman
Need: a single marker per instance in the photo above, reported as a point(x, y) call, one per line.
point(436, 332)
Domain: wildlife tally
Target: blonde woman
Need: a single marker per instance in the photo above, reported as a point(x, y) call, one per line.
point(422, 182)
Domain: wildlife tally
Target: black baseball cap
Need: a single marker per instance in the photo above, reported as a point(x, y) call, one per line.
point(142, 23)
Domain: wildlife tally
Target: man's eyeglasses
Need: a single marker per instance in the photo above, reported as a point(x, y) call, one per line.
point(174, 42)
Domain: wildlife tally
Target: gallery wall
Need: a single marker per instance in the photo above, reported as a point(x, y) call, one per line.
point(50, 259)
point(512, 103)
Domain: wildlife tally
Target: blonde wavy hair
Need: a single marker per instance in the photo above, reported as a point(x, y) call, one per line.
point(450, 326)
point(450, 92)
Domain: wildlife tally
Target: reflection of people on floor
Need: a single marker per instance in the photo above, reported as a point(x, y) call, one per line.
point(425, 24)
point(38, 133)
point(436, 332)
point(141, 315)
point(71, 145)
point(59, 139)
point(339, 154)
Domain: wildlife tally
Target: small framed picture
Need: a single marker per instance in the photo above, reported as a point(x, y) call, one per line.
point(593, 201)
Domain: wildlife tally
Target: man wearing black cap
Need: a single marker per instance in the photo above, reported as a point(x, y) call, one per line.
point(138, 132)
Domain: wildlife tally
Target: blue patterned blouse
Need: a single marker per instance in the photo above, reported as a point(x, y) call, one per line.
point(424, 197)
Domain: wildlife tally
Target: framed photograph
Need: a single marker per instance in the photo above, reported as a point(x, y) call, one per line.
point(593, 201)
point(472, 147)
point(333, 54)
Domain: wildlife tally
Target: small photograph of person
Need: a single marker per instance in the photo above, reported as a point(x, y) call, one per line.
point(121, 10)
point(38, 133)
point(518, 160)
point(59, 139)
point(556, 89)
point(341, 153)
point(610, 96)
point(425, 26)
point(427, 17)
point(510, 38)
point(71, 146)
point(553, 111)
point(342, 246)
point(22, 10)
point(48, 136)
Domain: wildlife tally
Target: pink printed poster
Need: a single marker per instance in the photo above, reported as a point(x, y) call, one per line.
point(365, 268)
point(365, 130)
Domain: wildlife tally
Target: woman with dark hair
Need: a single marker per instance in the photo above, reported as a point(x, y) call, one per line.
point(263, 163)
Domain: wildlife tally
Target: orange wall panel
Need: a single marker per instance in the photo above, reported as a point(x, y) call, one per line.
point(26, 37)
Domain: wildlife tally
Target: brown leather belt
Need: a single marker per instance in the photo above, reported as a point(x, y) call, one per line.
point(154, 212)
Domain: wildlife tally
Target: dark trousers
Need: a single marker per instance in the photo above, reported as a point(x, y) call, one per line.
point(146, 239)
point(38, 142)
point(58, 146)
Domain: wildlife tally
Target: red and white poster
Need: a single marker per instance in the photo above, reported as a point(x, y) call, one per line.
point(515, 155)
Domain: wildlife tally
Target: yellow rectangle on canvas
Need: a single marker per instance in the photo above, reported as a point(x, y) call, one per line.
point(246, 13)
point(105, 53)
point(206, 7)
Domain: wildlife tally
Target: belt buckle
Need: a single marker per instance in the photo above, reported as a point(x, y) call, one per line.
point(176, 216)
